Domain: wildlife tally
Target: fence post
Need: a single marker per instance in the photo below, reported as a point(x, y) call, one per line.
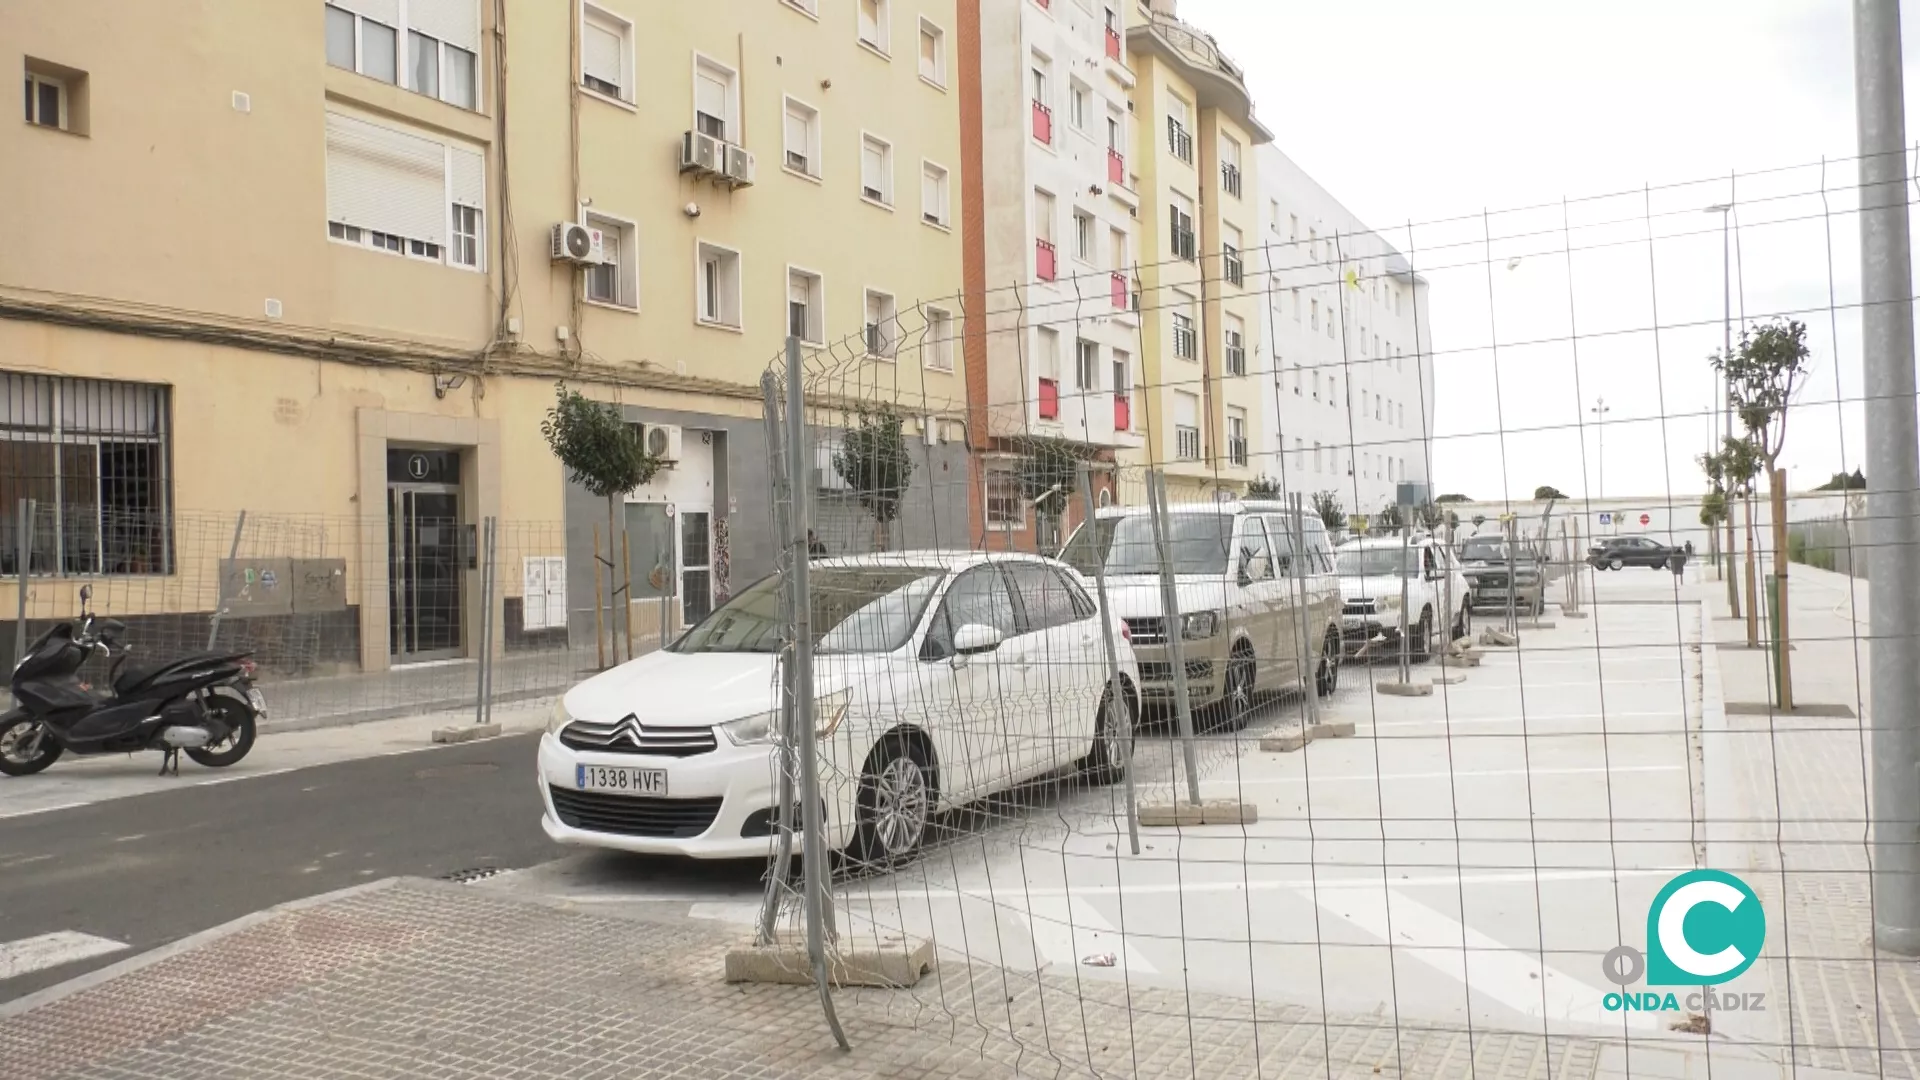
point(599, 624)
point(1303, 607)
point(480, 672)
point(1113, 660)
point(1175, 629)
point(219, 584)
point(23, 544)
point(779, 873)
point(626, 601)
point(1512, 531)
point(813, 841)
point(490, 622)
point(1406, 645)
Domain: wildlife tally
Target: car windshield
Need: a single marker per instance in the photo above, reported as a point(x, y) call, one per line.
point(1489, 548)
point(1197, 543)
point(1376, 561)
point(855, 609)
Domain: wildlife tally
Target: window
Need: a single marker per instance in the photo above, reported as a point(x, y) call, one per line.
point(883, 327)
point(1316, 386)
point(938, 351)
point(1230, 261)
point(1086, 367)
point(1079, 105)
point(802, 138)
point(1045, 259)
point(810, 7)
point(1333, 391)
point(1117, 244)
point(94, 454)
point(1179, 138)
point(1313, 307)
point(873, 24)
point(1236, 341)
point(718, 286)
point(1044, 597)
point(1122, 373)
point(442, 40)
point(1042, 100)
point(616, 279)
point(1313, 244)
point(1006, 510)
point(1363, 403)
point(56, 96)
point(715, 100)
point(404, 193)
point(876, 170)
point(806, 306)
point(933, 53)
point(1296, 305)
point(1083, 233)
point(1230, 166)
point(1293, 227)
point(933, 194)
point(606, 53)
point(1316, 455)
point(1186, 426)
point(1180, 223)
point(1183, 335)
point(1237, 436)
point(1047, 355)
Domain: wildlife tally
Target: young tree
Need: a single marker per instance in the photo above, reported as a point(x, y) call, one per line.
point(1333, 514)
point(1050, 475)
point(1762, 376)
point(874, 462)
point(602, 453)
point(1453, 498)
point(1548, 491)
point(1739, 465)
point(1714, 512)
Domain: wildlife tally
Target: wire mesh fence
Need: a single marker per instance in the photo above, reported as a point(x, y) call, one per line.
point(1242, 783)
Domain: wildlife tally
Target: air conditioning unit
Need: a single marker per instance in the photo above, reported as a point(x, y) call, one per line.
point(663, 441)
point(702, 154)
point(739, 165)
point(574, 242)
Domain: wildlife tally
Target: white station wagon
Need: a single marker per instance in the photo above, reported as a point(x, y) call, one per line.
point(939, 677)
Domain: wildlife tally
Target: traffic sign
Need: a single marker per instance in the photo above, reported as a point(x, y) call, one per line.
point(1645, 520)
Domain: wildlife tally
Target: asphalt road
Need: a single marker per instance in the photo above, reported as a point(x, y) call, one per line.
point(150, 869)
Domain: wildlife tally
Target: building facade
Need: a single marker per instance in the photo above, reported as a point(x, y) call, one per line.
point(373, 235)
point(1200, 304)
point(1061, 348)
point(1351, 397)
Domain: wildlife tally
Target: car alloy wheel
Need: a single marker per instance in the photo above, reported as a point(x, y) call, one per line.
point(1112, 740)
point(896, 801)
point(1327, 679)
point(1423, 636)
point(1616, 563)
point(1236, 700)
point(26, 748)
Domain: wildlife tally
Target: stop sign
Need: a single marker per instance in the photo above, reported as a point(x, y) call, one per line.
point(1644, 519)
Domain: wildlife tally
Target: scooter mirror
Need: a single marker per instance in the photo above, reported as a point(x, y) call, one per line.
point(86, 594)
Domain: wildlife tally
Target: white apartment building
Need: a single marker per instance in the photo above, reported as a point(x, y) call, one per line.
point(1061, 223)
point(1349, 348)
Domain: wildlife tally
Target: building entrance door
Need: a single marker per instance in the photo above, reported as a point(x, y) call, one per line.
point(424, 611)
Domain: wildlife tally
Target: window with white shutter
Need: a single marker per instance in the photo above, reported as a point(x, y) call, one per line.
point(467, 190)
point(404, 192)
point(802, 138)
point(606, 51)
point(876, 170)
point(713, 100)
point(933, 194)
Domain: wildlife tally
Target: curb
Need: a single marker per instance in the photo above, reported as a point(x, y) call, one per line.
point(395, 712)
point(39, 998)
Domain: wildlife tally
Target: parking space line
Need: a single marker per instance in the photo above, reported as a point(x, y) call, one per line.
point(1459, 774)
point(51, 950)
point(1463, 721)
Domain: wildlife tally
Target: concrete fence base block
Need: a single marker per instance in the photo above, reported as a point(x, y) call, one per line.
point(1401, 689)
point(1181, 813)
point(465, 733)
point(1461, 660)
point(1448, 680)
point(1573, 614)
point(1285, 744)
point(889, 962)
point(1497, 638)
point(1536, 624)
point(1334, 729)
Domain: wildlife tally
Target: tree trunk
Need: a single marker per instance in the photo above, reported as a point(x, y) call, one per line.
point(1777, 485)
point(622, 615)
point(1753, 598)
point(1727, 555)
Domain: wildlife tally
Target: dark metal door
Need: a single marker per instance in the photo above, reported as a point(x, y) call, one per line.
point(423, 590)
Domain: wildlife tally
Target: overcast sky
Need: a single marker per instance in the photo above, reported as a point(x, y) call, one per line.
point(1409, 110)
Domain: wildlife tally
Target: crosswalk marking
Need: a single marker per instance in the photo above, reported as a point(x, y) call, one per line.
point(51, 950)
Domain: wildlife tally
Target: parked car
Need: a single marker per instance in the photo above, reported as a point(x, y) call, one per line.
point(1618, 552)
point(1240, 606)
point(1374, 571)
point(1490, 564)
point(939, 678)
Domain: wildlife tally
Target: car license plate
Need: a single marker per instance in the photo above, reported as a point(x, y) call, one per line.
point(259, 702)
point(620, 781)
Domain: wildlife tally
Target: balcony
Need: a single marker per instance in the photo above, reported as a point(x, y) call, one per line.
point(1179, 140)
point(1119, 288)
point(1116, 167)
point(1043, 123)
point(1113, 43)
point(1049, 399)
point(1217, 81)
point(1045, 260)
point(1122, 413)
point(1230, 178)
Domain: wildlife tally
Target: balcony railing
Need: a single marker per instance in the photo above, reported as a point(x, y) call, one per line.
point(1179, 140)
point(1232, 268)
point(1043, 123)
point(1116, 167)
point(1236, 360)
point(1183, 242)
point(1122, 413)
point(1049, 399)
point(1183, 338)
point(1237, 451)
point(1119, 290)
point(1113, 43)
point(1186, 442)
point(1230, 178)
point(1045, 260)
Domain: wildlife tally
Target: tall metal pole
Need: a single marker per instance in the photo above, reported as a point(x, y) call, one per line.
point(1600, 412)
point(480, 669)
point(1175, 628)
point(23, 556)
point(1725, 210)
point(1114, 701)
point(219, 600)
point(1893, 472)
point(780, 872)
point(813, 853)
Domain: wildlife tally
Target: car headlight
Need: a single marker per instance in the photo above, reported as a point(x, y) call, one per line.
point(1199, 624)
point(758, 729)
point(559, 718)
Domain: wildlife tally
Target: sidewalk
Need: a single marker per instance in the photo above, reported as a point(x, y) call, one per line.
point(425, 979)
point(338, 700)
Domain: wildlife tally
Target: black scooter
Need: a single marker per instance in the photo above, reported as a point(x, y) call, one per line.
point(204, 704)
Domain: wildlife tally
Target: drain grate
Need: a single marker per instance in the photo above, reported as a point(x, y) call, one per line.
point(473, 874)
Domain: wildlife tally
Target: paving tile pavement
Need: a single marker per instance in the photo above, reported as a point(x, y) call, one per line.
point(427, 979)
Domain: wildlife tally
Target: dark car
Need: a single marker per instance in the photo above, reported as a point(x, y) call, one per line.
point(1489, 567)
point(1624, 551)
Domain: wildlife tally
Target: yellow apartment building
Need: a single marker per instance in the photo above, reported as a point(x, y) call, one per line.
point(324, 262)
point(1203, 370)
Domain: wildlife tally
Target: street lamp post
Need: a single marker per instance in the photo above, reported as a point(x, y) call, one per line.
point(1725, 210)
point(1600, 410)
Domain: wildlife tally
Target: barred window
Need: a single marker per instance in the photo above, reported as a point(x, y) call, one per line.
point(94, 457)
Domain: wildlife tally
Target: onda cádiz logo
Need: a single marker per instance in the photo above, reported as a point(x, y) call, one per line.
point(1704, 928)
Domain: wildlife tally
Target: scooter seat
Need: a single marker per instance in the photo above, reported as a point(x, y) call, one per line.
point(132, 675)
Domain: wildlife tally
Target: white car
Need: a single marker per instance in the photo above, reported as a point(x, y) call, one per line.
point(1376, 572)
point(939, 678)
